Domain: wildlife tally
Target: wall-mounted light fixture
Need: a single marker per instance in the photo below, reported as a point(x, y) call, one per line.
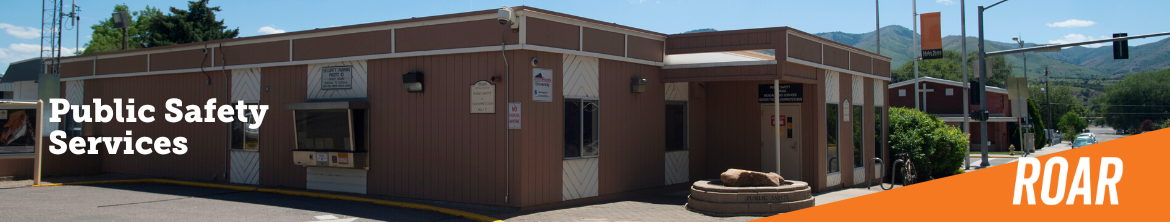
point(413, 81)
point(637, 85)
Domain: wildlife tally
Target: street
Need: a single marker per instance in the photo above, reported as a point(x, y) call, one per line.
point(1103, 134)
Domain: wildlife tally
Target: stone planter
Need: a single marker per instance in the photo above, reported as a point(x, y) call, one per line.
point(711, 197)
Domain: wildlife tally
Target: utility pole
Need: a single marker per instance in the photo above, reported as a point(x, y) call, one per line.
point(966, 83)
point(878, 22)
point(917, 53)
point(1048, 101)
point(983, 89)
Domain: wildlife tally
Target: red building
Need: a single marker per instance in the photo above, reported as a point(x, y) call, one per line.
point(945, 98)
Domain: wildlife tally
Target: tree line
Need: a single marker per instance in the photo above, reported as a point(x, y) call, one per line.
point(150, 27)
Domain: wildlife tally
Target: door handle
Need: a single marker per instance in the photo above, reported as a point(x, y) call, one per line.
point(795, 144)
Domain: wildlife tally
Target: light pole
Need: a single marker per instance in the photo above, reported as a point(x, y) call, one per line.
point(966, 84)
point(983, 89)
point(1024, 117)
point(1048, 101)
point(917, 53)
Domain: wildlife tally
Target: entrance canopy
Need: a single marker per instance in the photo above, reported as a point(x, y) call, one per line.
point(764, 54)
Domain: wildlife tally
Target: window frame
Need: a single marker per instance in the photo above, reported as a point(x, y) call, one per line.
point(880, 125)
point(582, 100)
point(858, 124)
point(837, 121)
point(686, 125)
point(242, 131)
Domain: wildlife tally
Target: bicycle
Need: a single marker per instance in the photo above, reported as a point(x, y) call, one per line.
point(907, 169)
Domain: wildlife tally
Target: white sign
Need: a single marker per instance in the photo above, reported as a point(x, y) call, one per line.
point(337, 77)
point(847, 108)
point(513, 115)
point(542, 81)
point(324, 157)
point(483, 97)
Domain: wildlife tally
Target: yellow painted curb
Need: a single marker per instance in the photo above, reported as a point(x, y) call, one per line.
point(990, 156)
point(460, 213)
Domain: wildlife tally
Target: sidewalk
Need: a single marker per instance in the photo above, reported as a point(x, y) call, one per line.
point(995, 160)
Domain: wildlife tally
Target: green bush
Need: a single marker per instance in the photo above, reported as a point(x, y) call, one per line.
point(937, 149)
point(1035, 117)
point(1073, 124)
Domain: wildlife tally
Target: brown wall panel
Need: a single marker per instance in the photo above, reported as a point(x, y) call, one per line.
point(453, 35)
point(860, 63)
point(364, 43)
point(697, 131)
point(632, 128)
point(19, 168)
point(265, 52)
point(119, 65)
point(881, 68)
point(432, 132)
point(845, 129)
point(187, 59)
point(285, 84)
point(836, 57)
point(643, 48)
point(604, 42)
point(800, 71)
point(804, 49)
point(733, 126)
point(727, 41)
point(540, 143)
point(206, 156)
point(553, 34)
point(75, 69)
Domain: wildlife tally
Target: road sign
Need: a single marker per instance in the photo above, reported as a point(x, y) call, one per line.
point(1120, 48)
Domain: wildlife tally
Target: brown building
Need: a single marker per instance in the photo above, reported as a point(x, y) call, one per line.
point(945, 98)
point(602, 108)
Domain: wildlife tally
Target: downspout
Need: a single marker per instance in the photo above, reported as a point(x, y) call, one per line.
point(226, 96)
point(508, 99)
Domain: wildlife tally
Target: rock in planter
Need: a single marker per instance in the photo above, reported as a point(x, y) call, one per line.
point(748, 178)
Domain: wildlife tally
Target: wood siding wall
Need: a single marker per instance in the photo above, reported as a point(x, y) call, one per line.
point(727, 41)
point(121, 65)
point(697, 131)
point(632, 128)
point(733, 126)
point(264, 52)
point(206, 155)
point(804, 49)
point(604, 42)
point(836, 57)
point(185, 59)
point(280, 85)
point(453, 35)
point(75, 69)
point(727, 73)
point(643, 48)
point(553, 34)
point(860, 63)
point(364, 43)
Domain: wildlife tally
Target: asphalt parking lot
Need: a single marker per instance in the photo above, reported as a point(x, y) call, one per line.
point(165, 202)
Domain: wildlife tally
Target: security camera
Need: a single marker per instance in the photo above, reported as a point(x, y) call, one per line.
point(535, 62)
point(506, 15)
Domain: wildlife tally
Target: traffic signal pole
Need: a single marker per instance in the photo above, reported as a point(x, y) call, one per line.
point(983, 90)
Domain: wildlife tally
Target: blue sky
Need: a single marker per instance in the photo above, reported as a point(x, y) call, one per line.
point(1040, 21)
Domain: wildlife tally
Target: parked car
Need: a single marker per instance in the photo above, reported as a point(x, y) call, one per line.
point(1120, 131)
point(1089, 135)
point(1083, 141)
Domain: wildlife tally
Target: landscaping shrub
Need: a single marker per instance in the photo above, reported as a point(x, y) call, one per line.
point(936, 148)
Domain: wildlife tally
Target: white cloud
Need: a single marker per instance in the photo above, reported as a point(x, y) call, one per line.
point(271, 29)
point(1071, 23)
point(637, 1)
point(21, 51)
point(1071, 38)
point(945, 2)
point(21, 32)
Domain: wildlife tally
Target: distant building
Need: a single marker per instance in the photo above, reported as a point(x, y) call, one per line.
point(945, 99)
point(20, 80)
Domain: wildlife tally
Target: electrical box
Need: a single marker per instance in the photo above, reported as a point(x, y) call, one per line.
point(331, 159)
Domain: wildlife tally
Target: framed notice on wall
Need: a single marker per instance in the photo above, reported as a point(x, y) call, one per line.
point(789, 93)
point(336, 77)
point(483, 97)
point(542, 81)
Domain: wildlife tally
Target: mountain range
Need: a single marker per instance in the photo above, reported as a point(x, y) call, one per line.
point(1073, 62)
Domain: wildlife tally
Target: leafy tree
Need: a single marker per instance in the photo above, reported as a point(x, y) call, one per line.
point(1138, 97)
point(1034, 118)
point(106, 38)
point(949, 68)
point(937, 149)
point(1073, 124)
point(196, 24)
point(1063, 101)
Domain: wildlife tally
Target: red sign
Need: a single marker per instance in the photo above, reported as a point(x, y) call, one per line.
point(513, 115)
point(783, 120)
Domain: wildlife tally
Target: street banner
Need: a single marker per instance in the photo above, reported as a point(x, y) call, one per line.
point(1117, 180)
point(931, 36)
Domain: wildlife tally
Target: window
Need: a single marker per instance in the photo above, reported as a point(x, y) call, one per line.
point(858, 141)
point(676, 126)
point(329, 130)
point(243, 136)
point(902, 92)
point(71, 126)
point(950, 91)
point(831, 114)
point(878, 126)
point(581, 124)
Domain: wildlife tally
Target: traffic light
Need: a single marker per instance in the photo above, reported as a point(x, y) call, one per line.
point(1120, 48)
point(973, 93)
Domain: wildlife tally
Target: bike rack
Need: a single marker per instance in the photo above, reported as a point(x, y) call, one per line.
point(875, 163)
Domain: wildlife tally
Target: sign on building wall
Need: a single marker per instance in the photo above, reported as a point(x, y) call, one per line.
point(337, 77)
point(542, 80)
point(513, 115)
point(931, 36)
point(789, 93)
point(847, 110)
point(483, 97)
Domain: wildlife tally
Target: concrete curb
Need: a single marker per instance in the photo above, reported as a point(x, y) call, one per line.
point(464, 214)
point(991, 156)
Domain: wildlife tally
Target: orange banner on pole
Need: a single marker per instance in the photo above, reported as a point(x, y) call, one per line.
point(931, 36)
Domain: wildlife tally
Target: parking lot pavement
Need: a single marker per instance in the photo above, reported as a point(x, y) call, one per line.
point(166, 202)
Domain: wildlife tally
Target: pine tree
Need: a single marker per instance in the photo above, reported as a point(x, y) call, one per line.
point(196, 24)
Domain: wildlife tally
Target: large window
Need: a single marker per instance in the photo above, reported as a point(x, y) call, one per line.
point(581, 124)
point(877, 131)
point(243, 136)
point(858, 141)
point(676, 126)
point(831, 136)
